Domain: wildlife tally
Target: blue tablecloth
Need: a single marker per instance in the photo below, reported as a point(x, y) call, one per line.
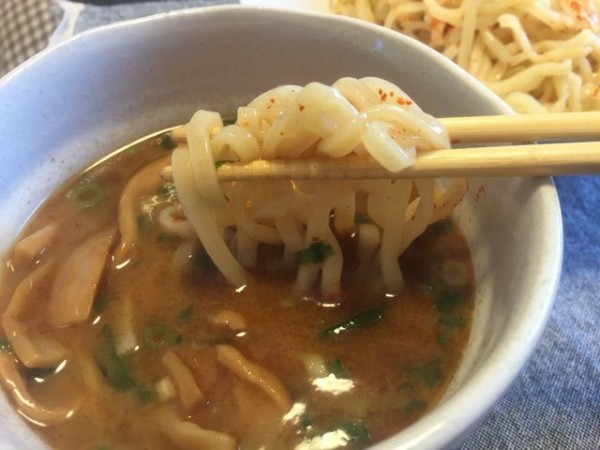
point(555, 402)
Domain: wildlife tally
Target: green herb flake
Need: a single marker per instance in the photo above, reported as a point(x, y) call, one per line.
point(115, 368)
point(445, 335)
point(363, 319)
point(429, 374)
point(142, 222)
point(448, 301)
point(166, 142)
point(219, 164)
point(358, 434)
point(86, 194)
point(317, 252)
point(451, 320)
point(337, 368)
point(117, 371)
point(5, 345)
point(186, 313)
point(414, 406)
point(144, 395)
point(158, 335)
point(305, 421)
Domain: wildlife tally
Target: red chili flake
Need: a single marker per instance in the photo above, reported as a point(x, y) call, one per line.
point(435, 22)
point(392, 93)
point(480, 192)
point(403, 101)
point(300, 107)
point(383, 97)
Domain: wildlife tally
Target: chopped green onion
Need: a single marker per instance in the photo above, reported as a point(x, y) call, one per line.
point(167, 142)
point(445, 335)
point(159, 335)
point(186, 313)
point(447, 301)
point(362, 319)
point(115, 368)
point(219, 163)
point(317, 252)
point(142, 221)
point(414, 406)
point(430, 374)
point(336, 367)
point(305, 421)
point(117, 372)
point(359, 435)
point(452, 320)
point(86, 194)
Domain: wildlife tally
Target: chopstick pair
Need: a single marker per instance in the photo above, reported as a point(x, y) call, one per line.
point(564, 158)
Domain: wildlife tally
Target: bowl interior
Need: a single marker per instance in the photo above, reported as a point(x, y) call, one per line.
point(113, 85)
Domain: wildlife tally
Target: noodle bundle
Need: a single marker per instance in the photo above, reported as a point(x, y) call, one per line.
point(369, 117)
point(539, 56)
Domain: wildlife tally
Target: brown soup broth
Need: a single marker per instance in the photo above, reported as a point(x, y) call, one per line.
point(381, 375)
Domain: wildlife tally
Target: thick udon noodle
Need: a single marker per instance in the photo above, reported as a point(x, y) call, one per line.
point(368, 117)
point(540, 56)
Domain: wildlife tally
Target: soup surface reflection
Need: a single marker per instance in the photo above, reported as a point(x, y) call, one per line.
point(169, 354)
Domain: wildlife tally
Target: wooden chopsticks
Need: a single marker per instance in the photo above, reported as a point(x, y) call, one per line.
point(564, 158)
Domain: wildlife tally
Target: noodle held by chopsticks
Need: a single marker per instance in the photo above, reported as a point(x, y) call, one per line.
point(540, 56)
point(369, 117)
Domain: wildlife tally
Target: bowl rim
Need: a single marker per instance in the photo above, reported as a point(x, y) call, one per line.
point(435, 429)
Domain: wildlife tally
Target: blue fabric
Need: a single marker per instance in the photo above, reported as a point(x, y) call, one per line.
point(555, 402)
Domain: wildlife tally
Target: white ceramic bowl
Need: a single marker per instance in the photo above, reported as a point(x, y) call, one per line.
point(108, 87)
